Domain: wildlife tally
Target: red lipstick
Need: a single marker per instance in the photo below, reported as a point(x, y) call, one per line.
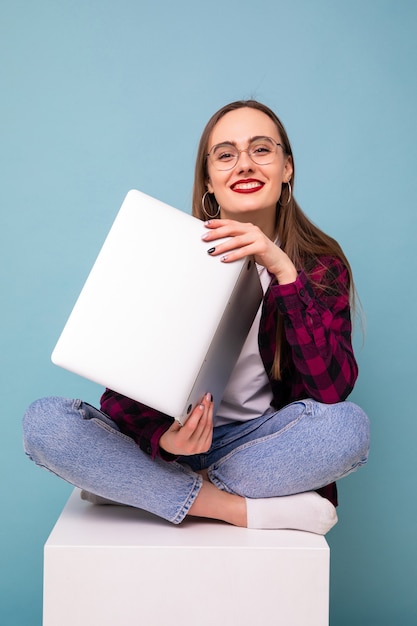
point(247, 185)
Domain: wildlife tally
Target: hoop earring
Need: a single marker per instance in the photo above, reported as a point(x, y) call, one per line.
point(289, 195)
point(203, 199)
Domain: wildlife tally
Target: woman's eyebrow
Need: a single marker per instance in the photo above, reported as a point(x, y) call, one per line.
point(225, 143)
point(234, 143)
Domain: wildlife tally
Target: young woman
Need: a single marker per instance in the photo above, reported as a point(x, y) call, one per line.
point(283, 433)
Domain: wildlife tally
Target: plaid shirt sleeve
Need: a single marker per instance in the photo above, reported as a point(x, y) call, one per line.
point(317, 322)
point(318, 356)
point(143, 424)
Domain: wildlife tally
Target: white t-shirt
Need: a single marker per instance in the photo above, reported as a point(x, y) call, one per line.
point(248, 393)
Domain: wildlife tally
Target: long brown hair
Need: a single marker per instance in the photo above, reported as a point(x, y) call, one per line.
point(300, 239)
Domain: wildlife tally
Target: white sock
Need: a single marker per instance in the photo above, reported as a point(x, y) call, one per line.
point(302, 511)
point(94, 499)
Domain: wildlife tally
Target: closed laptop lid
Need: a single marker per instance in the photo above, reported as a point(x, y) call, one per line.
point(159, 320)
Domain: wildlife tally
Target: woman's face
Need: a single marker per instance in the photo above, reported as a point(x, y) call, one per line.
point(247, 188)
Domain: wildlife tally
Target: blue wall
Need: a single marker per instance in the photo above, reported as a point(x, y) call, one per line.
point(86, 87)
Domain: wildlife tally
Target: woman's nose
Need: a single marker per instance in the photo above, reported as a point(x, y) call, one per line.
point(244, 161)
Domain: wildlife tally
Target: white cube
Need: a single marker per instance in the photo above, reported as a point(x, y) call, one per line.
point(119, 566)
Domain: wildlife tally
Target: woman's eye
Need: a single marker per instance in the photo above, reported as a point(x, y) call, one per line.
point(261, 150)
point(225, 156)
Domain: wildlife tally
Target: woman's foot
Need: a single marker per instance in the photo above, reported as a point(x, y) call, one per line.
point(302, 511)
point(216, 504)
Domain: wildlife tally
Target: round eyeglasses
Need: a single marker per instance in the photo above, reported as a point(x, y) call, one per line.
point(262, 151)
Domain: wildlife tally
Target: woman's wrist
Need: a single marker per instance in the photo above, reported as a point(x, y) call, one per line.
point(286, 274)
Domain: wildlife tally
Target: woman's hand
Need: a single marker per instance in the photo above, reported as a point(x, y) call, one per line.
point(196, 434)
point(247, 239)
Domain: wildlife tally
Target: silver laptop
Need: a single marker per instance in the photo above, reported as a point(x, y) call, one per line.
point(159, 320)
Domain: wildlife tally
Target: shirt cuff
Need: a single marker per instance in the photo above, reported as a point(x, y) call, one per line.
point(294, 296)
point(155, 449)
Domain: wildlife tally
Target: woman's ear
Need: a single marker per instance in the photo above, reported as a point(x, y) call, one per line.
point(288, 169)
point(209, 186)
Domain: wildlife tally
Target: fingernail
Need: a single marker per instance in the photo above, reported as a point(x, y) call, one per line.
point(211, 250)
point(201, 407)
point(209, 397)
point(205, 235)
point(224, 258)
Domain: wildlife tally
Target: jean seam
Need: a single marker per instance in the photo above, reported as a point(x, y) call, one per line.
point(352, 469)
point(217, 466)
point(185, 507)
point(45, 467)
point(111, 430)
point(272, 436)
point(99, 422)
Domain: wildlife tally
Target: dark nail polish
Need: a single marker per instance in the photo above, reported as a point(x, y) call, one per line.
point(211, 250)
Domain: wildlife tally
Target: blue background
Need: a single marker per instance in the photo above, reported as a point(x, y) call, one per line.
point(98, 97)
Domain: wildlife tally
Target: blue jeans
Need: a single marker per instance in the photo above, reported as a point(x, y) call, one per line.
point(302, 447)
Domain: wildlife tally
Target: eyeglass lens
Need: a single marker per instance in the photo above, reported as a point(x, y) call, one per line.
point(261, 150)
